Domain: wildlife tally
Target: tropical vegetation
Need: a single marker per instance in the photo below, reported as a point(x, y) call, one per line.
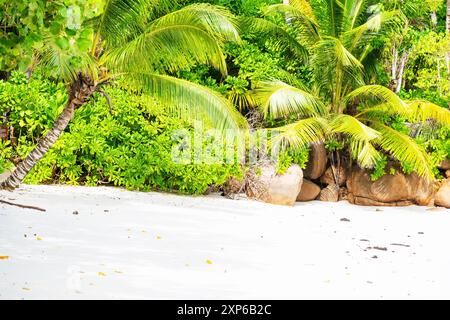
point(93, 90)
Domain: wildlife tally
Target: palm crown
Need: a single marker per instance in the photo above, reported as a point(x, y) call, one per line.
point(335, 39)
point(143, 42)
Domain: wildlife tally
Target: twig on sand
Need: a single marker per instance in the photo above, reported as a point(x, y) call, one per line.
point(22, 206)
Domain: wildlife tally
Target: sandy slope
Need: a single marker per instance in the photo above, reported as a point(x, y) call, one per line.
point(148, 245)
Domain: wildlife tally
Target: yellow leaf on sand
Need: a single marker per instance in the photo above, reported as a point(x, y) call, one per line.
point(209, 262)
point(4, 257)
point(158, 237)
point(26, 289)
point(102, 274)
point(38, 238)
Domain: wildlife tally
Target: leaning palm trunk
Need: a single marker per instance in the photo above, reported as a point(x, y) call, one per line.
point(79, 93)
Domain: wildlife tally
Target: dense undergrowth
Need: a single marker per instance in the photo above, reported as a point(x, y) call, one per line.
point(129, 145)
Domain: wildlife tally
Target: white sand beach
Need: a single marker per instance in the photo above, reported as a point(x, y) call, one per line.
point(107, 243)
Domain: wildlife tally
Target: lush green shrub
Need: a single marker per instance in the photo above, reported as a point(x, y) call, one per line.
point(290, 157)
point(130, 146)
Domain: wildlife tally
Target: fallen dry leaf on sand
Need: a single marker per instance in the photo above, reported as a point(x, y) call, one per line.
point(4, 257)
point(102, 274)
point(209, 262)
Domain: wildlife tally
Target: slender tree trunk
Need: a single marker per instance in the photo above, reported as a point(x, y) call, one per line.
point(401, 71)
point(286, 16)
point(398, 69)
point(433, 18)
point(79, 93)
point(447, 17)
point(394, 54)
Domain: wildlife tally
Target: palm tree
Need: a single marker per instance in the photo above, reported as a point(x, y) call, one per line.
point(142, 42)
point(335, 39)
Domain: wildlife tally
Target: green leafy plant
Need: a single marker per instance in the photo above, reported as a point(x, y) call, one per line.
point(143, 43)
point(130, 145)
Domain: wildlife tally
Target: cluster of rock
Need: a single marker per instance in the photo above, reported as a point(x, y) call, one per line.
point(330, 183)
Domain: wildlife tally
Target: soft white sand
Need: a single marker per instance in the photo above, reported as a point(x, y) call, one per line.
point(156, 246)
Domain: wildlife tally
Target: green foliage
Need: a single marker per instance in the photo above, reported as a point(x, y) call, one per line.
point(5, 154)
point(437, 143)
point(132, 147)
point(289, 157)
point(27, 24)
point(428, 73)
point(32, 107)
point(379, 169)
point(332, 145)
point(240, 7)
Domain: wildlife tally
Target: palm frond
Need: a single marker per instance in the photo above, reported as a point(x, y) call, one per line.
point(360, 36)
point(122, 20)
point(364, 152)
point(242, 100)
point(373, 95)
point(216, 21)
point(403, 148)
point(422, 110)
point(278, 99)
point(352, 11)
point(66, 63)
point(360, 137)
point(333, 62)
point(169, 48)
point(301, 16)
point(190, 100)
point(304, 6)
point(279, 38)
point(299, 134)
point(352, 127)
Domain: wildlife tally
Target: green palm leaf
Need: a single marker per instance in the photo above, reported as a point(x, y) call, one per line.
point(299, 134)
point(353, 127)
point(375, 95)
point(168, 48)
point(279, 99)
point(334, 67)
point(423, 110)
point(364, 152)
point(404, 148)
point(279, 38)
point(122, 20)
point(216, 21)
point(66, 63)
point(190, 100)
point(302, 16)
point(360, 137)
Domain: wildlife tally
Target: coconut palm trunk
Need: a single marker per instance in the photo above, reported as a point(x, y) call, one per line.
point(79, 92)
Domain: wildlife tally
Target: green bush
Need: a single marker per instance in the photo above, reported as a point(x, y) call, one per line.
point(129, 145)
